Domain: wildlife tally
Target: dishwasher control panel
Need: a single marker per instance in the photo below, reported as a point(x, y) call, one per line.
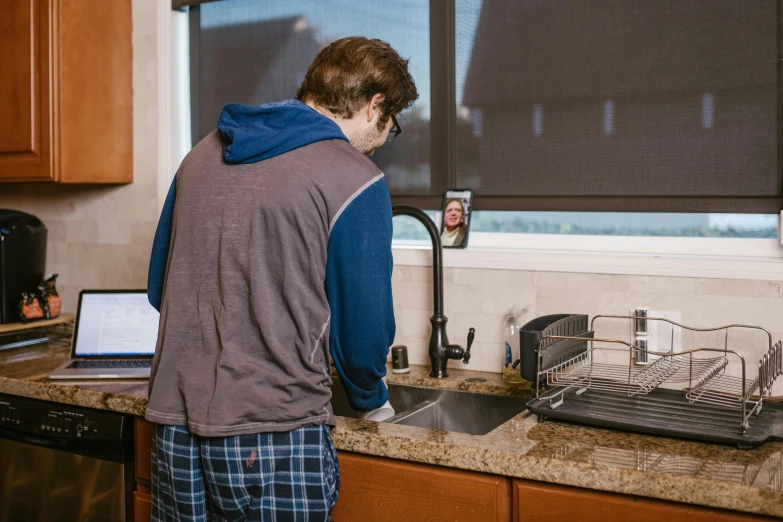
point(9, 414)
point(38, 417)
point(67, 422)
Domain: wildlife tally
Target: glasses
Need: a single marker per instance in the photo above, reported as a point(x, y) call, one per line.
point(394, 131)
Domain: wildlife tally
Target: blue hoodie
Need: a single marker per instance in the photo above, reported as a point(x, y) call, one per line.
point(255, 133)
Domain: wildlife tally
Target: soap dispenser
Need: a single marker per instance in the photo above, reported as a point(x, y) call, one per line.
point(511, 327)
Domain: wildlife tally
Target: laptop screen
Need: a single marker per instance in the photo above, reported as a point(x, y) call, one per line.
point(118, 324)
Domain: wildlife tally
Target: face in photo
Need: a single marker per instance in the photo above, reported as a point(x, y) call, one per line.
point(455, 218)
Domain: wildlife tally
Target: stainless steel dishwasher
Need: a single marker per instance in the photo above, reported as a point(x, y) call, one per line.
point(61, 463)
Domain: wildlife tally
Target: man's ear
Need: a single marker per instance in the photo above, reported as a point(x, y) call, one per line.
point(374, 107)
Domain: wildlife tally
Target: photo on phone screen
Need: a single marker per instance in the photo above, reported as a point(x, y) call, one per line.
point(455, 218)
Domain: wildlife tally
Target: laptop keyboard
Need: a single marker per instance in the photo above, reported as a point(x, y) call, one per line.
point(114, 363)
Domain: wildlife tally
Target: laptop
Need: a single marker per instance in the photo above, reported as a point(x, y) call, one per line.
point(114, 336)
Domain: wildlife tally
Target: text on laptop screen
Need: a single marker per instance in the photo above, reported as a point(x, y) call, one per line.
point(116, 324)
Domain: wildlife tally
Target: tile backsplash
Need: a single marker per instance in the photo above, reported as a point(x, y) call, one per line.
point(480, 298)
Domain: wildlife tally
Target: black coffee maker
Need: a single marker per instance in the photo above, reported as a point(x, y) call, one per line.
point(22, 260)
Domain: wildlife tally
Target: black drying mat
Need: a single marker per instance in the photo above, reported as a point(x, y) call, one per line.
point(663, 412)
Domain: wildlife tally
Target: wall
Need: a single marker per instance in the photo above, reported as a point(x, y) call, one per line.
point(100, 237)
point(480, 298)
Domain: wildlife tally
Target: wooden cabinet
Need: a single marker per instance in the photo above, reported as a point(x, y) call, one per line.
point(142, 501)
point(143, 440)
point(142, 507)
point(378, 489)
point(66, 93)
point(540, 502)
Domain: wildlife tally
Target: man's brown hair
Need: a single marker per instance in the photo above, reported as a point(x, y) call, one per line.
point(349, 72)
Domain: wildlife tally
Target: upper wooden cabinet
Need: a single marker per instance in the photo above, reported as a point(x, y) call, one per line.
point(66, 96)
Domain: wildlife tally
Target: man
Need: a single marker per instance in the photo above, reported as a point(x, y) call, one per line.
point(274, 249)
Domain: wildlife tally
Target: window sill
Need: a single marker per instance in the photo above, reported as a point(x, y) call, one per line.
point(720, 258)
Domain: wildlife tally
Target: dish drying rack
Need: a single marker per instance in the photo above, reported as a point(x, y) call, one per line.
point(708, 404)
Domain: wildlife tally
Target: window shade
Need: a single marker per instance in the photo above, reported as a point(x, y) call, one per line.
point(257, 51)
point(611, 105)
point(619, 104)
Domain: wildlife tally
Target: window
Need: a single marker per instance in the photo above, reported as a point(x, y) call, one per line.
point(656, 106)
point(612, 105)
point(407, 229)
point(257, 51)
point(624, 119)
point(608, 117)
point(628, 224)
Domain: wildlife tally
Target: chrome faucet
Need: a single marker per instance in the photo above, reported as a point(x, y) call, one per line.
point(440, 350)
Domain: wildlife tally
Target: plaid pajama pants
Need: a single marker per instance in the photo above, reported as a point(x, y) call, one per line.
point(269, 477)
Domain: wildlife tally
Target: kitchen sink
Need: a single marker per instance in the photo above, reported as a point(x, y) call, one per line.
point(448, 410)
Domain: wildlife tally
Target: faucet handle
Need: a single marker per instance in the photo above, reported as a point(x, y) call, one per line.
point(471, 335)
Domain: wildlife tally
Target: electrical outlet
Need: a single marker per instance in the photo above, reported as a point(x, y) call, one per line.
point(639, 335)
point(663, 336)
point(655, 336)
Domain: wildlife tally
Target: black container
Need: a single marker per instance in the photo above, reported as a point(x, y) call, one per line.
point(22, 260)
point(554, 350)
point(400, 359)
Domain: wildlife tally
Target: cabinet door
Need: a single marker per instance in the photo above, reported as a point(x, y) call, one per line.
point(376, 489)
point(142, 507)
point(95, 92)
point(143, 436)
point(25, 109)
point(539, 502)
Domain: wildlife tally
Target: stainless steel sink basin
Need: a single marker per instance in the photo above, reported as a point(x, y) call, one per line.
point(461, 412)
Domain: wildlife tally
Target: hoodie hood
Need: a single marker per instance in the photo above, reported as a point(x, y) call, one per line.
point(253, 133)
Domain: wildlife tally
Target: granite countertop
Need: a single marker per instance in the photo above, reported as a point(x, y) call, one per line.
point(677, 470)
